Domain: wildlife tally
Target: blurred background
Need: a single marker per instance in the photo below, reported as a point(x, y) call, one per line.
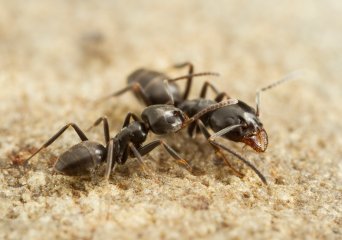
point(52, 46)
point(57, 57)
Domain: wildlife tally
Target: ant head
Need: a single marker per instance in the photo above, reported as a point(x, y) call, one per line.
point(163, 119)
point(250, 131)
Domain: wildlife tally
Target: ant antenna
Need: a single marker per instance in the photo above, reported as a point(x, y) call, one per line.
point(211, 108)
point(193, 75)
point(288, 77)
point(249, 164)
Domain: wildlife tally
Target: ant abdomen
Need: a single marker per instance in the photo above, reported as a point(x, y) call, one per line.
point(144, 76)
point(155, 92)
point(152, 87)
point(80, 159)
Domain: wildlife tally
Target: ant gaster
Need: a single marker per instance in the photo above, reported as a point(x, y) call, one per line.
point(160, 119)
point(149, 86)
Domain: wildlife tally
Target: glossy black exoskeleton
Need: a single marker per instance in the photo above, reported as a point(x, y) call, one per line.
point(149, 86)
point(239, 122)
point(242, 121)
point(159, 119)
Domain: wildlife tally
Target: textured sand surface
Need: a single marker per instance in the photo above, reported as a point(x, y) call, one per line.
point(57, 57)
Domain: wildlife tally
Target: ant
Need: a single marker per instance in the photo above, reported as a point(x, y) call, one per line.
point(163, 119)
point(239, 122)
point(149, 86)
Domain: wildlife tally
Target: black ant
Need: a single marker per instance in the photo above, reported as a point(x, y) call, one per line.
point(160, 119)
point(149, 86)
point(238, 122)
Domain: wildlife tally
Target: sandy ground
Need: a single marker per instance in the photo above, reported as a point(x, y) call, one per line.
point(57, 57)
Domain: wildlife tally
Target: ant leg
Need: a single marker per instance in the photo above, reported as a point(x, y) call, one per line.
point(138, 156)
point(109, 160)
point(260, 175)
point(189, 79)
point(219, 95)
point(128, 119)
point(222, 96)
point(79, 132)
point(152, 145)
point(204, 89)
point(135, 87)
point(191, 129)
point(105, 127)
point(211, 139)
point(217, 149)
point(190, 76)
